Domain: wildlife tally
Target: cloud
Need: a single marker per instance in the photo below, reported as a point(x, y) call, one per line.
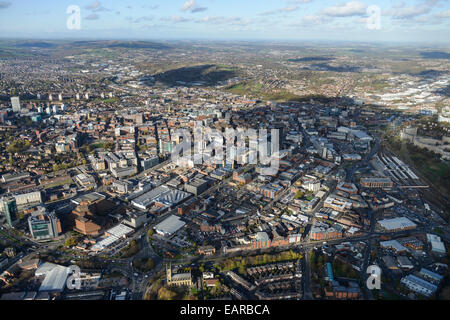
point(233, 21)
point(191, 6)
point(349, 9)
point(153, 7)
point(286, 9)
point(188, 5)
point(309, 20)
point(199, 9)
point(444, 14)
point(5, 4)
point(92, 16)
point(144, 18)
point(96, 6)
point(403, 12)
point(399, 5)
point(176, 19)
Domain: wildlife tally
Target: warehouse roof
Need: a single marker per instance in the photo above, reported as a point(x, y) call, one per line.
point(120, 231)
point(55, 280)
point(397, 223)
point(170, 225)
point(145, 200)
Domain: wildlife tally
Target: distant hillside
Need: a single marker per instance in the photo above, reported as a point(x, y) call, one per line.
point(121, 44)
point(435, 55)
point(39, 44)
point(207, 74)
point(309, 59)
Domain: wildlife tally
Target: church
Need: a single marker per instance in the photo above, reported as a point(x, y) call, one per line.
point(178, 279)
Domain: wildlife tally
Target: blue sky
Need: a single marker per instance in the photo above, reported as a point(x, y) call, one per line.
point(407, 20)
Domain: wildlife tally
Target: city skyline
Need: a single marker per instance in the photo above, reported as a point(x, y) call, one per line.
point(290, 20)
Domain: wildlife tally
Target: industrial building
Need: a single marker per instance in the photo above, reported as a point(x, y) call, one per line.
point(419, 285)
point(169, 226)
point(196, 186)
point(147, 199)
point(55, 277)
point(377, 182)
point(397, 224)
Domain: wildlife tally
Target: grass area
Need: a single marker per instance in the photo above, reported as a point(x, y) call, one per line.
point(106, 100)
point(131, 249)
point(428, 163)
point(432, 167)
point(299, 195)
point(57, 184)
point(4, 234)
point(144, 264)
point(256, 90)
point(241, 263)
point(246, 88)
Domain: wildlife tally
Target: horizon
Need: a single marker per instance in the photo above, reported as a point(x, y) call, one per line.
point(326, 43)
point(373, 21)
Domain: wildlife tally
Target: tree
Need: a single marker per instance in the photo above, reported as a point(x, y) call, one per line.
point(70, 242)
point(166, 294)
point(18, 146)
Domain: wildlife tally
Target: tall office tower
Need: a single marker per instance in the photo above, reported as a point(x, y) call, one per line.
point(9, 208)
point(15, 101)
point(60, 97)
point(44, 225)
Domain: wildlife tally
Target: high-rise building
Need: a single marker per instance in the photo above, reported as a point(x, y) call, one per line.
point(15, 101)
point(44, 225)
point(9, 208)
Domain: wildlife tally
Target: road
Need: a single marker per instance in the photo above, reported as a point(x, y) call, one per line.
point(307, 295)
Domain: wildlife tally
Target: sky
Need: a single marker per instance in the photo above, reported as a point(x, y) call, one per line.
point(289, 20)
